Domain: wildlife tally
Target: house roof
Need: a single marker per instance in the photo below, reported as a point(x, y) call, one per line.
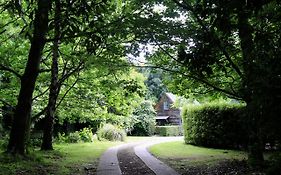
point(171, 96)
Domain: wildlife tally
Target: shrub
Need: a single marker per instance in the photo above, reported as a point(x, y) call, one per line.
point(219, 125)
point(73, 137)
point(86, 135)
point(61, 138)
point(4, 141)
point(274, 166)
point(144, 117)
point(111, 133)
point(143, 129)
point(35, 139)
point(168, 130)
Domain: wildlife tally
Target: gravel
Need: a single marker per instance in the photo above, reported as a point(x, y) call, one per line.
point(131, 164)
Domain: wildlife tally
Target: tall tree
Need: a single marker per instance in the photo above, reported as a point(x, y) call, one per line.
point(20, 128)
point(54, 87)
point(219, 46)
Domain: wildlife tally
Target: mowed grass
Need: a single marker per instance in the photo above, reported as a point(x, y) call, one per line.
point(179, 154)
point(64, 160)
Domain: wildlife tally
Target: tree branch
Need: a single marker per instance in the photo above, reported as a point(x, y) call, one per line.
point(41, 94)
point(209, 84)
point(68, 90)
point(8, 69)
point(36, 116)
point(219, 43)
point(6, 103)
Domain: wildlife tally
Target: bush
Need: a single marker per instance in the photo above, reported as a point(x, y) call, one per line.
point(274, 166)
point(73, 137)
point(111, 133)
point(35, 139)
point(218, 125)
point(4, 139)
point(84, 135)
point(168, 130)
point(62, 138)
point(143, 129)
point(144, 117)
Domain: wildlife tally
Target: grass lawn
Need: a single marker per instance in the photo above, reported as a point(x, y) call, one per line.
point(66, 159)
point(181, 156)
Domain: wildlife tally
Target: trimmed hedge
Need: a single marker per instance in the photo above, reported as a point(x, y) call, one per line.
point(168, 130)
point(217, 125)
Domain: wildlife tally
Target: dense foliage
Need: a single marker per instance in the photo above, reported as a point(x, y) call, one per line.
point(77, 69)
point(218, 125)
point(144, 120)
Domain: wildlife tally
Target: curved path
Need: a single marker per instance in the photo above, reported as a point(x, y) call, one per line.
point(133, 158)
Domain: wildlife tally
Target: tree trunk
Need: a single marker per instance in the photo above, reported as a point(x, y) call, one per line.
point(247, 45)
point(21, 124)
point(51, 108)
point(54, 87)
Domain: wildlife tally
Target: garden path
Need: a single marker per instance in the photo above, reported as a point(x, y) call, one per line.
point(134, 159)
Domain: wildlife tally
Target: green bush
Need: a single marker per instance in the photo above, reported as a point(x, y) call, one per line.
point(4, 139)
point(35, 139)
point(274, 165)
point(218, 125)
point(73, 137)
point(168, 130)
point(61, 138)
point(144, 120)
point(111, 133)
point(84, 135)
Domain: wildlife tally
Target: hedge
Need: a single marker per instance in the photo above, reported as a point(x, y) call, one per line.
point(217, 125)
point(168, 130)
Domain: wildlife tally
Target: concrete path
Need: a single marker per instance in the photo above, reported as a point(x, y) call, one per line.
point(157, 166)
point(109, 165)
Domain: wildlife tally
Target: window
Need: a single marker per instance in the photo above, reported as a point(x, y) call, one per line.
point(166, 105)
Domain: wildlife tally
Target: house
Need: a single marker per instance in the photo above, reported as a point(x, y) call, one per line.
point(166, 113)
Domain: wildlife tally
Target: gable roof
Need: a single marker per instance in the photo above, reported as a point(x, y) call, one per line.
point(171, 96)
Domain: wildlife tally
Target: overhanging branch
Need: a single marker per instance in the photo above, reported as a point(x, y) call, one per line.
point(205, 28)
point(8, 69)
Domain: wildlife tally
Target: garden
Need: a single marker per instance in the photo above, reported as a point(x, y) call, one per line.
point(80, 77)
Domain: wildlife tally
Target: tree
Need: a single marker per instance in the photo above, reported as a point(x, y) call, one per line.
point(20, 126)
point(84, 25)
point(103, 96)
point(227, 47)
point(155, 85)
point(54, 88)
point(144, 116)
